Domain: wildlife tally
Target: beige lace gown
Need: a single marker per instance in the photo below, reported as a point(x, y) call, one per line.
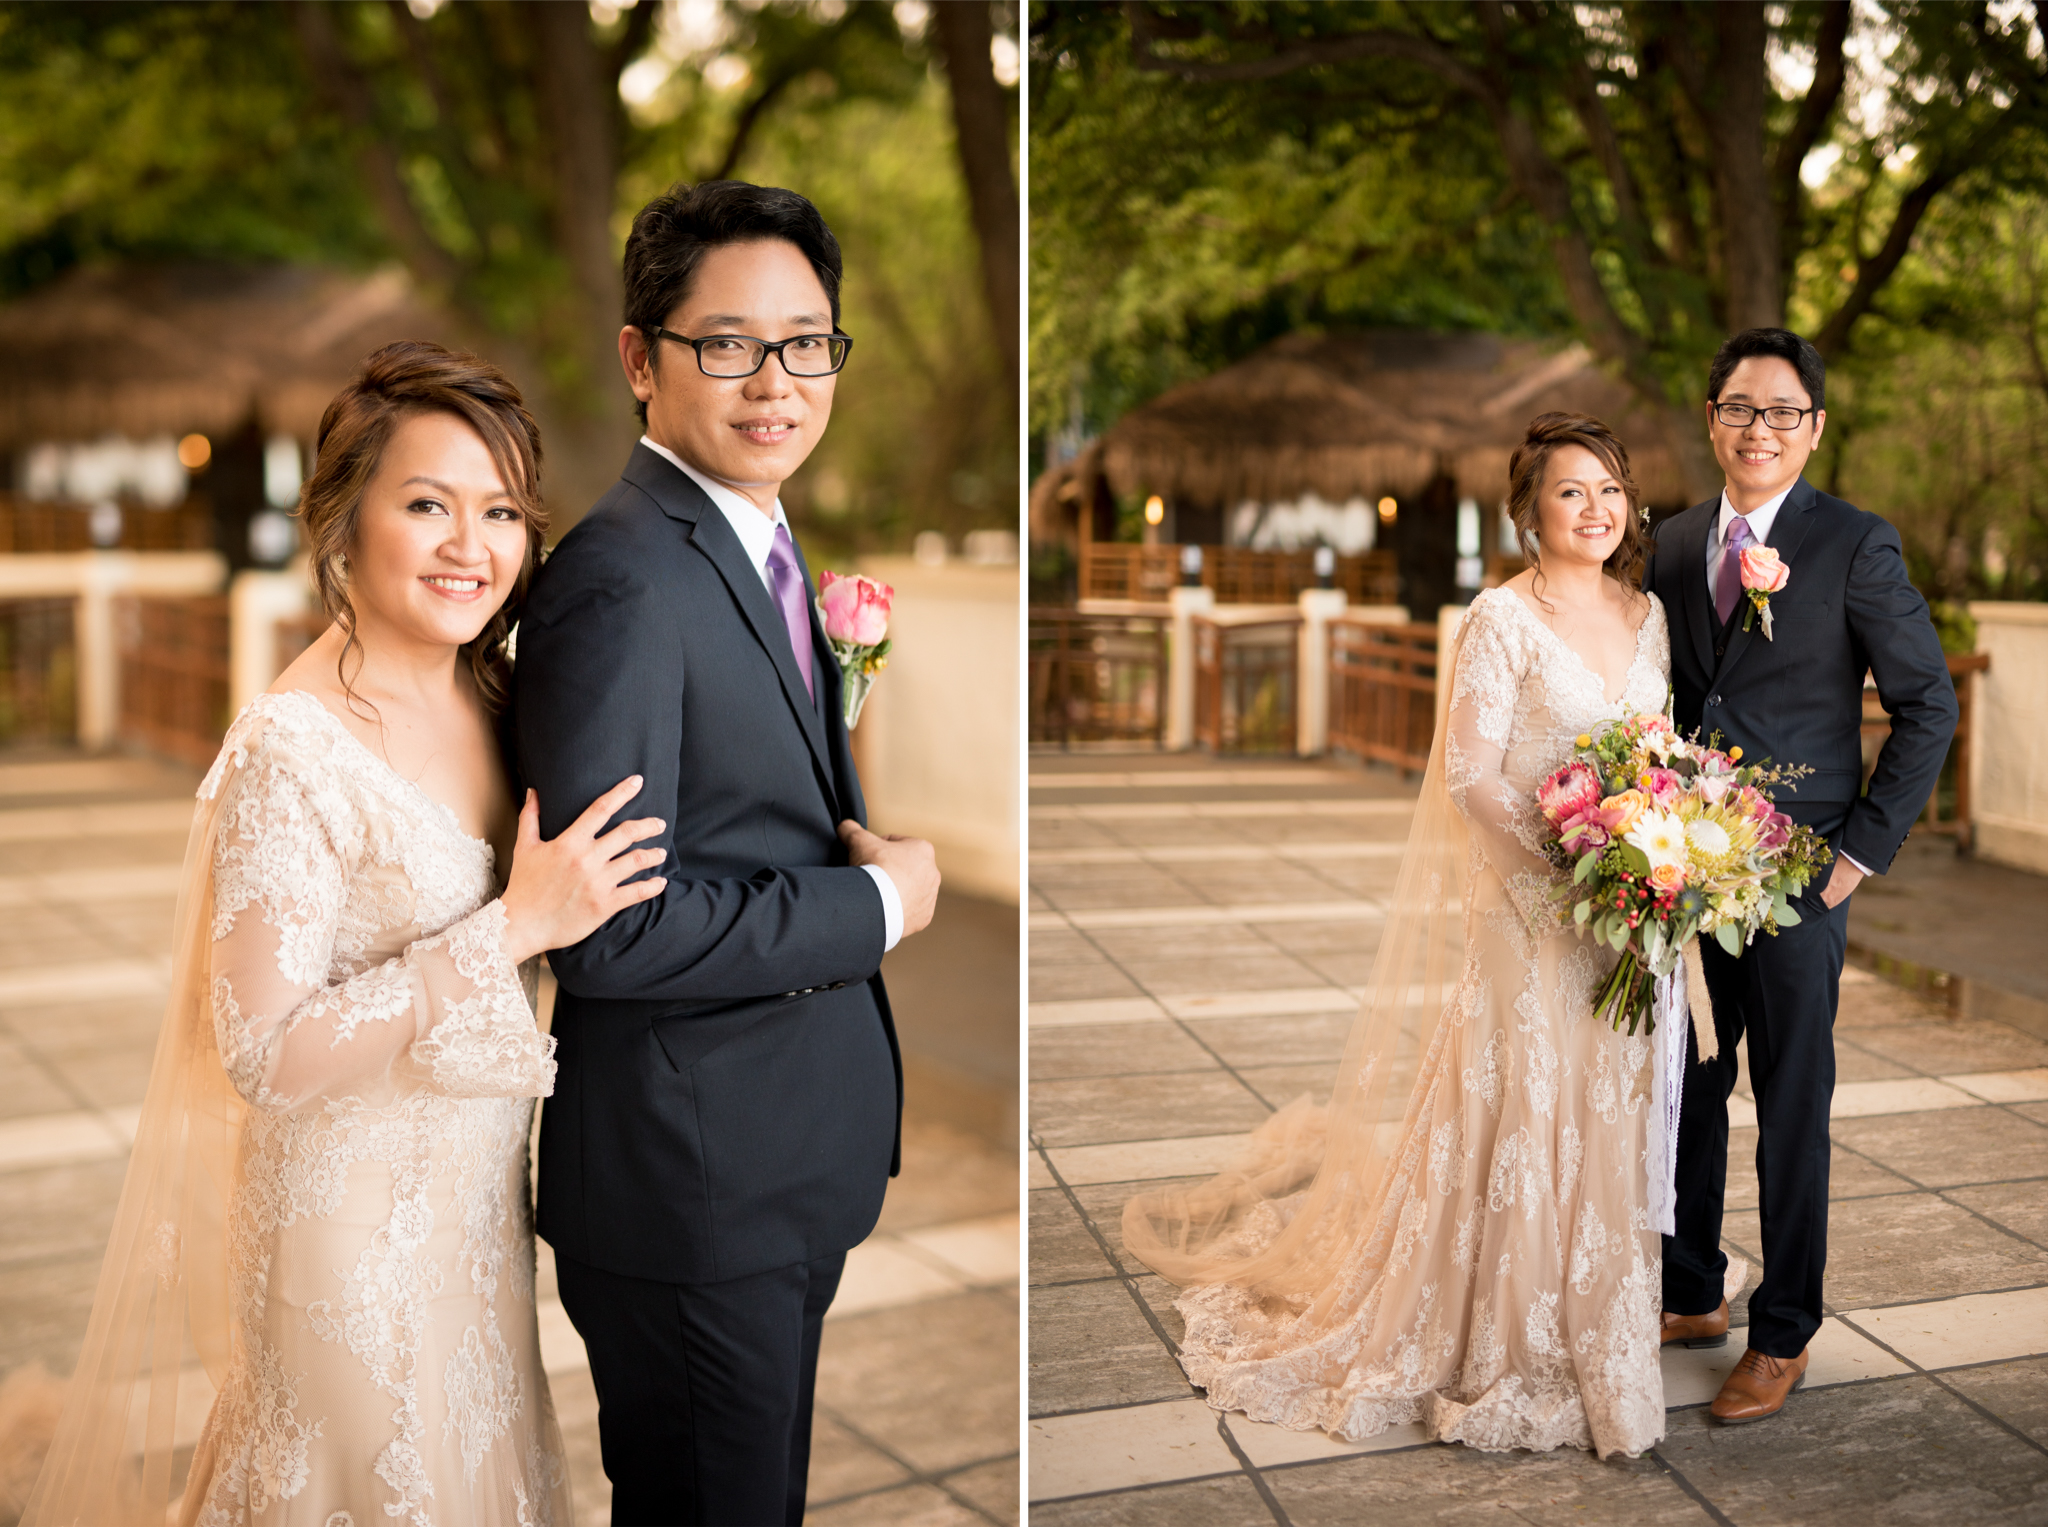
point(1507, 1297)
point(384, 1359)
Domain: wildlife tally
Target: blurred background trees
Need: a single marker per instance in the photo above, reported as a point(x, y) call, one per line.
point(1643, 178)
point(499, 150)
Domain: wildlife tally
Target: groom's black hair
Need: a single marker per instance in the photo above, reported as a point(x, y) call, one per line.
point(1783, 343)
point(672, 234)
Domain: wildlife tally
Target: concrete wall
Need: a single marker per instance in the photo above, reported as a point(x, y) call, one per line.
point(2009, 741)
point(940, 743)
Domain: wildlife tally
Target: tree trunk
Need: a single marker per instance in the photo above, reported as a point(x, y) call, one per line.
point(1685, 432)
point(1738, 97)
point(981, 126)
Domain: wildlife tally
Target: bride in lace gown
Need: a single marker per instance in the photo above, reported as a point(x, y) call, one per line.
point(1475, 1251)
point(322, 1268)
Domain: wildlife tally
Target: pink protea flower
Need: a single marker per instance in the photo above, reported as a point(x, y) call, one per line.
point(856, 608)
point(1571, 790)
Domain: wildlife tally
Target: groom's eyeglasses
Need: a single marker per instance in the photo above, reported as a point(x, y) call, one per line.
point(733, 355)
point(1741, 415)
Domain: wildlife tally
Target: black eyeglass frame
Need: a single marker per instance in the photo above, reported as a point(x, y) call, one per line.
point(769, 347)
point(1756, 413)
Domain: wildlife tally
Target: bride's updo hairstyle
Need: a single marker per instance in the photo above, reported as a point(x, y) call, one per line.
point(400, 380)
point(1526, 471)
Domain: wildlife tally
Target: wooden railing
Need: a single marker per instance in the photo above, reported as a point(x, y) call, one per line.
point(1119, 570)
point(1096, 678)
point(1147, 574)
point(30, 525)
point(38, 670)
point(1383, 692)
point(1954, 781)
point(1246, 685)
point(174, 675)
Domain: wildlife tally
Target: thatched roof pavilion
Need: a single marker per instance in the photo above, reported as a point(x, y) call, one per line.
point(143, 350)
point(1354, 415)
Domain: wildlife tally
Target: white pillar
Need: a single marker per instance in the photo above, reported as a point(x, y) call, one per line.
point(1186, 604)
point(257, 601)
point(1312, 671)
point(99, 655)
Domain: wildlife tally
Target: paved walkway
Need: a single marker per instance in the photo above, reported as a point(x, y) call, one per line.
point(1199, 935)
point(918, 1377)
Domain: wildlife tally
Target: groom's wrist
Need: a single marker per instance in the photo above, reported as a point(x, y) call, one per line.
point(892, 906)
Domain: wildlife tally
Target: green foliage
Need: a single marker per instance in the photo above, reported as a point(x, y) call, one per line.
point(1175, 229)
point(165, 130)
point(200, 130)
point(1207, 176)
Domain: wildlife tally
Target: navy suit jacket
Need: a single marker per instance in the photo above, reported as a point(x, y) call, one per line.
point(1797, 698)
point(730, 1091)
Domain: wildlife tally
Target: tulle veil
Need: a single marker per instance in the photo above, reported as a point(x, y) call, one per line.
point(1338, 1157)
point(157, 1344)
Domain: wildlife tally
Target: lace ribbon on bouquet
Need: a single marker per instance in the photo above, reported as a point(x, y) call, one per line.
point(1669, 1008)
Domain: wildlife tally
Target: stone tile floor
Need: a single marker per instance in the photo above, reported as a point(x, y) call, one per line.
point(917, 1391)
point(1198, 935)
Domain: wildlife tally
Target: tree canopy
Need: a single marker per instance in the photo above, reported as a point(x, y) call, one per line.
point(1647, 178)
point(499, 151)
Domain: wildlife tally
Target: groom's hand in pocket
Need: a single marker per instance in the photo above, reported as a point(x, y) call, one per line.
point(1842, 882)
point(910, 863)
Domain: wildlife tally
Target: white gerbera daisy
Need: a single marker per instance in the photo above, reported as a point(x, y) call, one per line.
point(1661, 837)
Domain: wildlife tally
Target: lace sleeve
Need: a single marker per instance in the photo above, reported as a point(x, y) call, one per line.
point(1503, 819)
point(453, 1003)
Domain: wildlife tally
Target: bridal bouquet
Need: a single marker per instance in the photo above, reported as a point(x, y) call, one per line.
point(1668, 837)
point(855, 611)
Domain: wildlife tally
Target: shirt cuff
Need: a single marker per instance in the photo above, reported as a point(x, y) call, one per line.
point(892, 907)
point(1862, 867)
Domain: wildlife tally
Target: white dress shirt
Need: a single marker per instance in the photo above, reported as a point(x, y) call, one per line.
point(1760, 520)
point(756, 532)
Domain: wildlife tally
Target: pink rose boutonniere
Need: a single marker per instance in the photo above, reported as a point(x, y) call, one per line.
point(855, 611)
point(1762, 576)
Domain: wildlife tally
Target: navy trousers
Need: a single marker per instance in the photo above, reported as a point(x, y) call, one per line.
point(1779, 997)
point(703, 1390)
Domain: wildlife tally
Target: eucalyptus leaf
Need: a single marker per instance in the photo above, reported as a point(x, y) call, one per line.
point(1729, 937)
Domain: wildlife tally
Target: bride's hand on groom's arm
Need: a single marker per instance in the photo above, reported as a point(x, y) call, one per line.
point(910, 863)
point(563, 889)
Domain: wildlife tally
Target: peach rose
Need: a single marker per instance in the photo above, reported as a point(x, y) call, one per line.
point(1762, 570)
point(1667, 878)
point(1618, 813)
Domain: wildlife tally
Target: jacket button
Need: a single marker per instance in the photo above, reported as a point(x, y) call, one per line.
point(1713, 700)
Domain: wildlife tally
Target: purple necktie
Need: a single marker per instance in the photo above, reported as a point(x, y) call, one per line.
point(788, 582)
point(1728, 582)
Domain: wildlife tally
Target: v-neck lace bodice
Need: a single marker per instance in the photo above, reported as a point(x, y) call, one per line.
point(1643, 639)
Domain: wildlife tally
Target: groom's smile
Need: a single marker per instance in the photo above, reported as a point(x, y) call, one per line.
point(1761, 462)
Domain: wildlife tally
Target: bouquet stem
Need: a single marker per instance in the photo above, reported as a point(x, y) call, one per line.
point(1626, 994)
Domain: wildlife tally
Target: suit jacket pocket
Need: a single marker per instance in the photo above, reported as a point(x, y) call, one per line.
point(688, 1035)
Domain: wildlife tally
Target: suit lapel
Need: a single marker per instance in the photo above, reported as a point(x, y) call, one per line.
point(1692, 531)
point(1787, 531)
point(682, 499)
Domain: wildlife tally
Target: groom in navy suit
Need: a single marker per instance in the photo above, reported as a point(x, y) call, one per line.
point(1794, 696)
point(726, 1114)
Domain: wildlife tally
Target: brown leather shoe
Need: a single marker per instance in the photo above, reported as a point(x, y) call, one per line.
point(1708, 1330)
point(1758, 1387)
